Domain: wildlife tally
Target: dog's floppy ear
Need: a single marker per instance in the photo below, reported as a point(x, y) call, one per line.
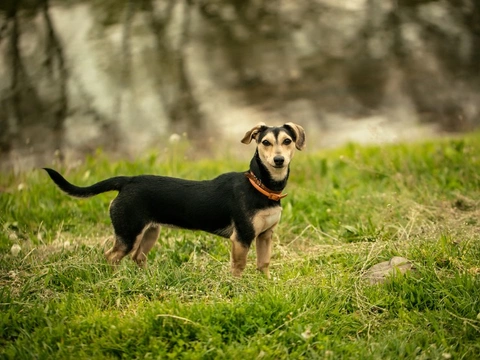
point(299, 134)
point(253, 132)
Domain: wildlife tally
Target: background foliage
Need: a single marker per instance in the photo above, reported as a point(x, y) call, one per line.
point(76, 75)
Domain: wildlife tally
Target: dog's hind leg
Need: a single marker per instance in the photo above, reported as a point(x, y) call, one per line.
point(119, 250)
point(263, 247)
point(145, 244)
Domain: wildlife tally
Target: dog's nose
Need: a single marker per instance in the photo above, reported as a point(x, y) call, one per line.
point(279, 160)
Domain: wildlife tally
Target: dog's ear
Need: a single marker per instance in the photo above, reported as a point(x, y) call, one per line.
point(253, 132)
point(299, 134)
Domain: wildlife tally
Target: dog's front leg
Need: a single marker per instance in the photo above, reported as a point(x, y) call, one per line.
point(264, 251)
point(238, 257)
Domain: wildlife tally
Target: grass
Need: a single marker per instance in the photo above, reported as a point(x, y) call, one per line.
point(347, 209)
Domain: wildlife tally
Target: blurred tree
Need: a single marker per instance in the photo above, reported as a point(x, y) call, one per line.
point(23, 105)
point(276, 55)
point(174, 84)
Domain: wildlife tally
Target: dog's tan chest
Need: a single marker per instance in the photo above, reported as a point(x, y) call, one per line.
point(266, 219)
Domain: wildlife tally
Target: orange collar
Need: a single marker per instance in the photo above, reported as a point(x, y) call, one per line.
point(257, 184)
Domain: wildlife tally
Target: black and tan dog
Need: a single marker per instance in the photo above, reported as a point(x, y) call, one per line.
point(242, 206)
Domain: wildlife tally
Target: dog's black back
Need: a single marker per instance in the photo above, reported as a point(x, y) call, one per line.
point(209, 205)
point(194, 205)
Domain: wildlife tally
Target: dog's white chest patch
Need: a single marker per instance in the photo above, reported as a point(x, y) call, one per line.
point(266, 219)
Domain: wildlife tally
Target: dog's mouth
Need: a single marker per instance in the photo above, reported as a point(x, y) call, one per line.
point(279, 166)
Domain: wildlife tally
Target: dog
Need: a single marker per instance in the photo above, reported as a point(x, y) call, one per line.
point(241, 206)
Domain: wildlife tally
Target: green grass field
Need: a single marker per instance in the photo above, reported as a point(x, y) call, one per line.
point(347, 209)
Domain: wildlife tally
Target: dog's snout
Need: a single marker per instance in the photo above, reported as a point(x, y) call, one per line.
point(279, 160)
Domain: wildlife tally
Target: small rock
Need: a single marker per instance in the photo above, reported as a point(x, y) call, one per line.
point(378, 273)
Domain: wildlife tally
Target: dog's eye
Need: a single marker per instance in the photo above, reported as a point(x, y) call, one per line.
point(266, 143)
point(287, 141)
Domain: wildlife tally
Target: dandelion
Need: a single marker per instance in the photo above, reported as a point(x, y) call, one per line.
point(174, 138)
point(307, 334)
point(15, 249)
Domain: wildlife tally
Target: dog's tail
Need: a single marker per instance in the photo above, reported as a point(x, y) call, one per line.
point(115, 183)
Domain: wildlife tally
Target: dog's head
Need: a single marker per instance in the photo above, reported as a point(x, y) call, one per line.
point(276, 145)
